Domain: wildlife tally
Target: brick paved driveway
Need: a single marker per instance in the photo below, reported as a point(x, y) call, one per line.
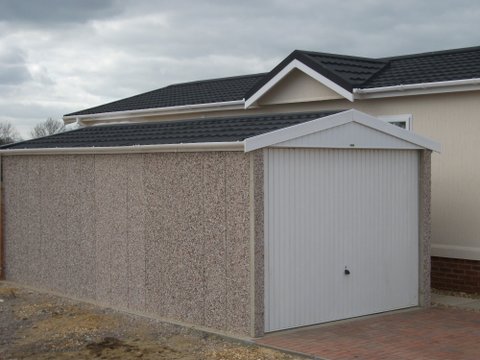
point(436, 333)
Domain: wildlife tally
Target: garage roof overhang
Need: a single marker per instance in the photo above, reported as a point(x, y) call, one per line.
point(346, 129)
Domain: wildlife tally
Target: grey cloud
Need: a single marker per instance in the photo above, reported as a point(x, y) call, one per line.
point(105, 50)
point(56, 11)
point(13, 74)
point(13, 69)
point(267, 29)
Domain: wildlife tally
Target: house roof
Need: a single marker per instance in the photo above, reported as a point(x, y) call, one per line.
point(352, 72)
point(348, 72)
point(190, 93)
point(457, 64)
point(226, 129)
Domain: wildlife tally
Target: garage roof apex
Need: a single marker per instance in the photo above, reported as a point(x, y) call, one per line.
point(345, 136)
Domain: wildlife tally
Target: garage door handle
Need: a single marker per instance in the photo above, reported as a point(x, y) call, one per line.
point(347, 272)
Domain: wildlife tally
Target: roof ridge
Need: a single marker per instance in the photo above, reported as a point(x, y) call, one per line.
point(215, 79)
point(214, 118)
point(431, 53)
point(349, 57)
point(380, 64)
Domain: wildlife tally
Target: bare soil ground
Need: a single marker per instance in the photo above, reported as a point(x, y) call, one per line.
point(36, 325)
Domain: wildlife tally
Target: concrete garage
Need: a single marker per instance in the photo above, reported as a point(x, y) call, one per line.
point(242, 224)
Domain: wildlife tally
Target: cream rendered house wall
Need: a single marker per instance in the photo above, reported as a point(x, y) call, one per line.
point(453, 119)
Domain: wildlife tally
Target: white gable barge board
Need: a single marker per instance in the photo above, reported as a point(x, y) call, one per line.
point(351, 135)
point(275, 137)
point(296, 64)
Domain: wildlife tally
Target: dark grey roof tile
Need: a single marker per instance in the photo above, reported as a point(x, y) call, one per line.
point(236, 128)
point(192, 93)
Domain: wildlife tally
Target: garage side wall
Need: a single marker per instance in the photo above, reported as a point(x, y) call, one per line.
point(425, 226)
point(164, 234)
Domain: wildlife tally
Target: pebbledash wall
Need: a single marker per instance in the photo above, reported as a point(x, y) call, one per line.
point(169, 234)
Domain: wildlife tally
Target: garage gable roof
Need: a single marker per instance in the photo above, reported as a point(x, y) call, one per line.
point(212, 130)
point(377, 131)
point(245, 133)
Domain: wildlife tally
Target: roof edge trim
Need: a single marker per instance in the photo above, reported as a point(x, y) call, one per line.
point(118, 115)
point(299, 65)
point(418, 89)
point(331, 121)
point(138, 149)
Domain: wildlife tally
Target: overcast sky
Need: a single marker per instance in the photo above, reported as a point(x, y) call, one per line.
point(59, 56)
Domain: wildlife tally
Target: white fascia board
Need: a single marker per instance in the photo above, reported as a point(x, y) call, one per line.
point(330, 121)
point(170, 110)
point(296, 64)
point(186, 147)
point(418, 89)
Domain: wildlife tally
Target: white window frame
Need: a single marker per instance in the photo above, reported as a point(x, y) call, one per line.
point(406, 118)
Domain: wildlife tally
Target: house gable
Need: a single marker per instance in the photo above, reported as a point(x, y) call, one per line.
point(297, 87)
point(320, 74)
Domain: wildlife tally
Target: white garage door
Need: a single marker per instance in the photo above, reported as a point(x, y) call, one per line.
point(333, 212)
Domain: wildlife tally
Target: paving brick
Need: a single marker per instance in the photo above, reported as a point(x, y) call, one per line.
point(436, 333)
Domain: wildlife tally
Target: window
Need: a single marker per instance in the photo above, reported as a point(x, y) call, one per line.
point(404, 121)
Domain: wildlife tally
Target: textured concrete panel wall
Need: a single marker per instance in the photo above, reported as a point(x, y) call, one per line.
point(165, 234)
point(425, 224)
point(258, 280)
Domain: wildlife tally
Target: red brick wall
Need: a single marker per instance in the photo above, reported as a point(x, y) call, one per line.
point(456, 274)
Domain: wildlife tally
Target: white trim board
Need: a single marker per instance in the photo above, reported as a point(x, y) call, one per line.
point(418, 89)
point(186, 147)
point(328, 122)
point(170, 110)
point(296, 64)
point(456, 252)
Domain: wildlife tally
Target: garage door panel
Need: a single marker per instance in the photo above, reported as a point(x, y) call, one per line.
point(327, 209)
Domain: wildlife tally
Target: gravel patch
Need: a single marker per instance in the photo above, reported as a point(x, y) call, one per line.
point(35, 325)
